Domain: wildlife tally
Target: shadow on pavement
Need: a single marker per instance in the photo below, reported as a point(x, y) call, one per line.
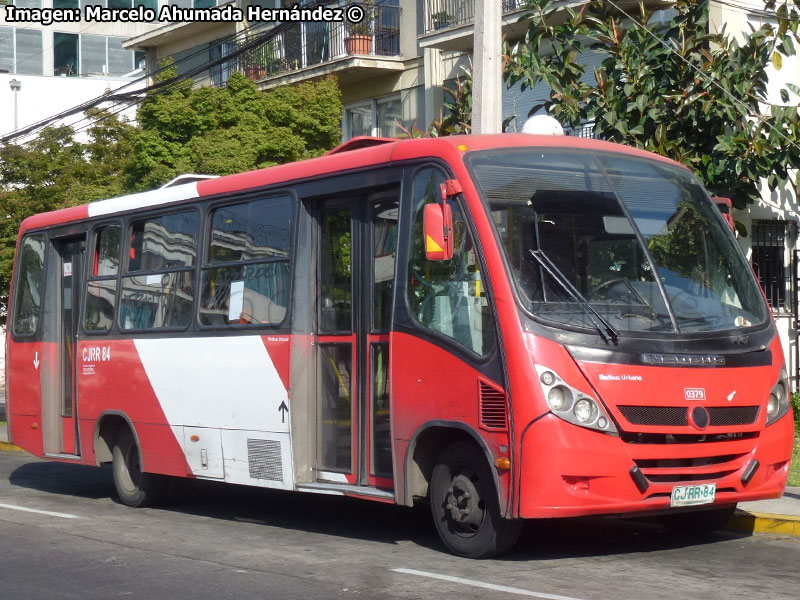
point(362, 519)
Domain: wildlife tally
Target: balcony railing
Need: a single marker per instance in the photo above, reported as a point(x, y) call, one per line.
point(307, 44)
point(442, 14)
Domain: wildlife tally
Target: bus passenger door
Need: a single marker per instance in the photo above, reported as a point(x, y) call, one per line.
point(70, 275)
point(357, 240)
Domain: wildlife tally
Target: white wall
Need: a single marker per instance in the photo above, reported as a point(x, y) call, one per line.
point(41, 97)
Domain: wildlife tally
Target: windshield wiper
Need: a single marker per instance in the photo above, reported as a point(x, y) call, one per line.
point(603, 327)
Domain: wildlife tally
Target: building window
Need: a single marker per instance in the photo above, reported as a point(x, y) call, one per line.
point(104, 55)
point(65, 54)
point(21, 51)
point(769, 261)
point(379, 118)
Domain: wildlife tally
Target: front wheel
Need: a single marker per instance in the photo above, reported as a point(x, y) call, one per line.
point(134, 487)
point(699, 522)
point(465, 507)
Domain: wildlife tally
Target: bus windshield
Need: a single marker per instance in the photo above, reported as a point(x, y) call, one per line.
point(637, 239)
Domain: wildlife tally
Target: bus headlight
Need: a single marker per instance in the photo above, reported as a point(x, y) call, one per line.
point(559, 398)
point(585, 410)
point(572, 405)
point(778, 402)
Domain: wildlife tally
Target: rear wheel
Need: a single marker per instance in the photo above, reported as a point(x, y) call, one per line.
point(699, 522)
point(134, 487)
point(465, 506)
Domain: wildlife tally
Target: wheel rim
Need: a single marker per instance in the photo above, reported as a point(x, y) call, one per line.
point(464, 506)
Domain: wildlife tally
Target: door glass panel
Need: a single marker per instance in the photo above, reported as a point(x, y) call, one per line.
point(384, 246)
point(335, 382)
point(69, 338)
point(336, 272)
point(29, 286)
point(381, 432)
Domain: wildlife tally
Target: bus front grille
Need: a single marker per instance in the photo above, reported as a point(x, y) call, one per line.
point(678, 416)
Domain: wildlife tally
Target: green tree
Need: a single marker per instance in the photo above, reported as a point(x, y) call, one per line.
point(55, 171)
point(677, 89)
point(235, 128)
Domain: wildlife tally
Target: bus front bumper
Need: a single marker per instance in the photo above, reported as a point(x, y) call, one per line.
point(569, 471)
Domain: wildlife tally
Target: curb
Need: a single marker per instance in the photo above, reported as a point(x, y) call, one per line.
point(747, 522)
point(9, 447)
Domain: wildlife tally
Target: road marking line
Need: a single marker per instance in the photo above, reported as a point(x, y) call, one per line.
point(486, 586)
point(41, 512)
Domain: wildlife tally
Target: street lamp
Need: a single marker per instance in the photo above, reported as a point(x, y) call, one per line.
point(16, 86)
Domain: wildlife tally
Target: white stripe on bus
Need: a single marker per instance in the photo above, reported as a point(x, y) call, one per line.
point(144, 199)
point(483, 585)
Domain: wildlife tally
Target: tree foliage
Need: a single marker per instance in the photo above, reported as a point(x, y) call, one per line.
point(207, 130)
point(677, 89)
point(231, 129)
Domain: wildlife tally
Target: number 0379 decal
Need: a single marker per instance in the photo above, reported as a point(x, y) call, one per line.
point(694, 393)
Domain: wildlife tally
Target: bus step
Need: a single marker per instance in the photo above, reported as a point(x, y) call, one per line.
point(342, 489)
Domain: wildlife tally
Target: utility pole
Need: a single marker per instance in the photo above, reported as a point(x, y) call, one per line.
point(487, 68)
point(16, 86)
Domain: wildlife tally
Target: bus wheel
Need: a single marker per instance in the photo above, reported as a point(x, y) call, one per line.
point(465, 506)
point(134, 487)
point(699, 522)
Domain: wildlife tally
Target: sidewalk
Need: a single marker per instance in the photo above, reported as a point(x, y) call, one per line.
point(781, 516)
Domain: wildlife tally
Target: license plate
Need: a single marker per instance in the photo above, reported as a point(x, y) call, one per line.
point(692, 495)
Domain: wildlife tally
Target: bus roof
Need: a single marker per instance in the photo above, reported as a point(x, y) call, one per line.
point(354, 154)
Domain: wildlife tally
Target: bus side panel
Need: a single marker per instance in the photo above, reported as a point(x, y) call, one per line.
point(24, 382)
point(432, 384)
point(111, 377)
point(24, 392)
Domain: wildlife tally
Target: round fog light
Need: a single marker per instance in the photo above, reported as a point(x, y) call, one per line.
point(602, 422)
point(548, 378)
point(558, 398)
point(584, 410)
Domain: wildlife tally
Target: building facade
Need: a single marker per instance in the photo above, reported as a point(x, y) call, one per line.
point(46, 69)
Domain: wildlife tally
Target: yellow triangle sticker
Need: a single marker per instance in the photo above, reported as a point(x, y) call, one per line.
point(431, 246)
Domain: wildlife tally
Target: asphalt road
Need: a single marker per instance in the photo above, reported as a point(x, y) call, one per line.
point(217, 541)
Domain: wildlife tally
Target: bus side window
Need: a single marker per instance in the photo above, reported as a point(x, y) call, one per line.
point(246, 275)
point(101, 285)
point(158, 287)
point(448, 296)
point(29, 286)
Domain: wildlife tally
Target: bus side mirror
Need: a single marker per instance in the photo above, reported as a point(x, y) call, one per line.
point(725, 205)
point(437, 225)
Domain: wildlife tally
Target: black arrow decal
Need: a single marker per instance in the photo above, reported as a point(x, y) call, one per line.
point(283, 409)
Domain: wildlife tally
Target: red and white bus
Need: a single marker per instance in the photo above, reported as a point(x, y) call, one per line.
point(511, 326)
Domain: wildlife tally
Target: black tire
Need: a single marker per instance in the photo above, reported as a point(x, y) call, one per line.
point(134, 487)
point(465, 506)
point(699, 522)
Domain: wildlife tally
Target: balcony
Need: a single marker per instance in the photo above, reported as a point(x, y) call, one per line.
point(441, 14)
point(448, 23)
point(308, 50)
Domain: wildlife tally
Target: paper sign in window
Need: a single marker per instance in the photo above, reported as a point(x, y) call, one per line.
point(237, 300)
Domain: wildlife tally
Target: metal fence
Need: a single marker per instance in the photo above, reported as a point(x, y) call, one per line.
point(306, 44)
point(442, 14)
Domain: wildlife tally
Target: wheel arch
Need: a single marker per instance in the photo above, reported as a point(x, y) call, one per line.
point(425, 446)
point(107, 429)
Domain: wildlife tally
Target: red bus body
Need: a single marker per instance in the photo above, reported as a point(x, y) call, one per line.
point(237, 405)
